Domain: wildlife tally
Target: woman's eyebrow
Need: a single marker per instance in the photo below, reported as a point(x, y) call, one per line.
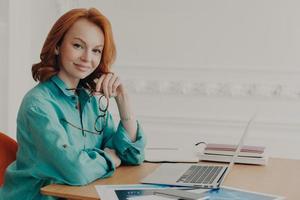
point(77, 38)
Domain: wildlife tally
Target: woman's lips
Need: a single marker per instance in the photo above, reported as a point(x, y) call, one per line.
point(82, 67)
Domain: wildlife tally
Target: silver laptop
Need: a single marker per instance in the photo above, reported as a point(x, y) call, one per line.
point(195, 175)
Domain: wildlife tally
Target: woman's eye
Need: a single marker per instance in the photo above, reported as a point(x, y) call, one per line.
point(97, 51)
point(77, 46)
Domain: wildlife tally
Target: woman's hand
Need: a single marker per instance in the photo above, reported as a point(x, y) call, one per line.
point(114, 156)
point(110, 85)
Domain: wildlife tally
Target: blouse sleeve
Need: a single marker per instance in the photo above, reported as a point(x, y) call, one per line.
point(56, 158)
point(132, 153)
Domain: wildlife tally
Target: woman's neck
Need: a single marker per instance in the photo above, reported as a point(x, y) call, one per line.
point(71, 83)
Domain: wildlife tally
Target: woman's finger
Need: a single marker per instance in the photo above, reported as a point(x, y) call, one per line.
point(115, 86)
point(99, 83)
point(110, 84)
point(105, 85)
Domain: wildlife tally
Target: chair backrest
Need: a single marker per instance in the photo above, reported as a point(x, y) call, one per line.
point(8, 152)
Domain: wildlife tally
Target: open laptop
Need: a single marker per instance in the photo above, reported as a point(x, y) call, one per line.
point(194, 175)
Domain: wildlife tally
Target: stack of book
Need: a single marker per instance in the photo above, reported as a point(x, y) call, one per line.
point(224, 152)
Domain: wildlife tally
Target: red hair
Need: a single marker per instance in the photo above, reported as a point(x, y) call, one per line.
point(48, 66)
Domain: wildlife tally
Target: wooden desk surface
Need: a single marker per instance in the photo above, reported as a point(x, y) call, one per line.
point(280, 177)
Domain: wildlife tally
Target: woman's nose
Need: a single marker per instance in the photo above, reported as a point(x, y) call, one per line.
point(86, 56)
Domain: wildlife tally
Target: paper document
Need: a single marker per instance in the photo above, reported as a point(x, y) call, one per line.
point(142, 192)
point(124, 192)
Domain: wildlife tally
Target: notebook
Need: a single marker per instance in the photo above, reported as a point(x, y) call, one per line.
point(195, 175)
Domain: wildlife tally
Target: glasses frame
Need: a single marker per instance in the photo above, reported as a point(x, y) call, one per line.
point(103, 110)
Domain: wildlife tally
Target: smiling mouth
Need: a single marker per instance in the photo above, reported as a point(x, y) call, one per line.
point(82, 67)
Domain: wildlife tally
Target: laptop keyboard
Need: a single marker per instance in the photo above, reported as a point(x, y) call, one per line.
point(200, 174)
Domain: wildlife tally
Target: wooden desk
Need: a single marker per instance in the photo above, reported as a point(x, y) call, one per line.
point(280, 177)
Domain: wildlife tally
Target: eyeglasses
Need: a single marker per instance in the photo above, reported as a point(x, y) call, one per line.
point(100, 122)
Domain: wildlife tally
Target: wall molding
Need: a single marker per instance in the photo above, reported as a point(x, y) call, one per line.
point(214, 89)
point(239, 82)
point(230, 69)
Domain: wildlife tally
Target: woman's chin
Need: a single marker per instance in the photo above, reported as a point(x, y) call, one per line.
point(83, 75)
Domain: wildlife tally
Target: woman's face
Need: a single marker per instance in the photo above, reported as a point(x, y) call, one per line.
point(80, 52)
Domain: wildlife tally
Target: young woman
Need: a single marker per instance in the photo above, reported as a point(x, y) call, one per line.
point(64, 131)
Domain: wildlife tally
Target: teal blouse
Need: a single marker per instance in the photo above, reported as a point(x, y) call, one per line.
point(53, 151)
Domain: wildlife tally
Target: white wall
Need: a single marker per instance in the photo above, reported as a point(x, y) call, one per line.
point(196, 69)
point(27, 25)
point(3, 63)
point(199, 69)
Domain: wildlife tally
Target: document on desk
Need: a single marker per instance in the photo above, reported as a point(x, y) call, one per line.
point(123, 192)
point(144, 192)
point(159, 192)
point(171, 154)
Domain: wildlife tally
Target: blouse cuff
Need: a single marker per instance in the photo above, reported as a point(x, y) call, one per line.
point(110, 164)
point(122, 141)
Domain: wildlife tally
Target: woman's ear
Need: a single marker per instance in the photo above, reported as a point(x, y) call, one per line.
point(56, 51)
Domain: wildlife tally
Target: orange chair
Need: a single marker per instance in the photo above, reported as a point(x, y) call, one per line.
point(8, 151)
